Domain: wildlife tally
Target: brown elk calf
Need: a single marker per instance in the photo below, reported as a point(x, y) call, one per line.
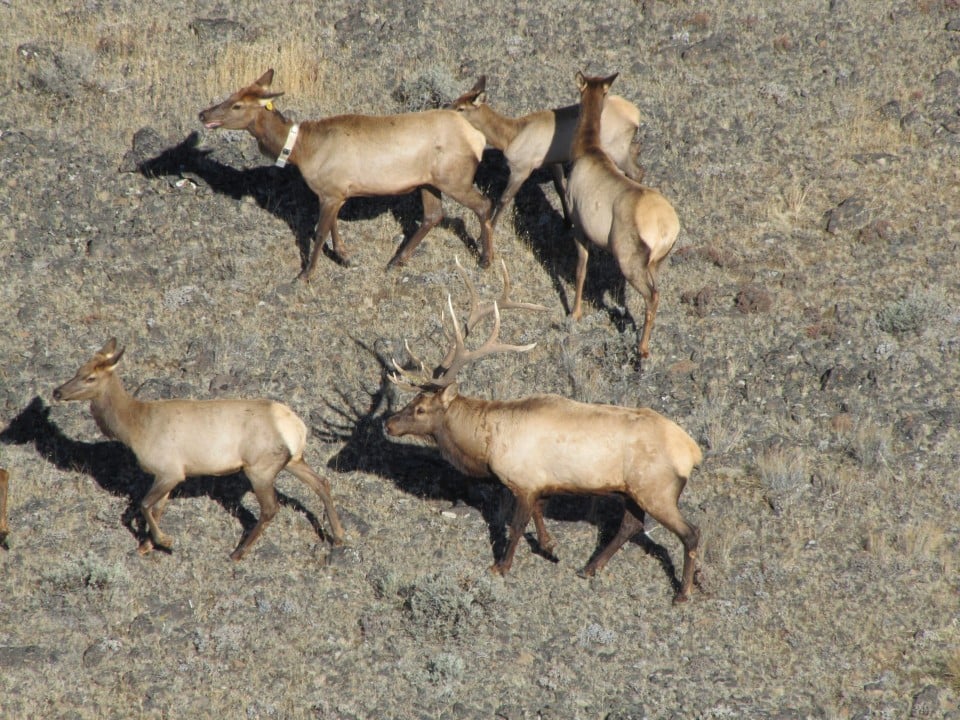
point(174, 439)
point(365, 155)
point(632, 221)
point(545, 444)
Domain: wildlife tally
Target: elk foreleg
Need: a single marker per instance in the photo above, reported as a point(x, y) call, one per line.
point(521, 516)
point(327, 225)
point(152, 507)
point(556, 170)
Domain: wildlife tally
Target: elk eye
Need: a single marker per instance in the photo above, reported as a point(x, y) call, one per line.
point(237, 106)
point(418, 411)
point(89, 379)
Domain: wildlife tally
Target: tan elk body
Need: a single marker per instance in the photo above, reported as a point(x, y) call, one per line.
point(544, 138)
point(367, 155)
point(634, 222)
point(175, 439)
point(546, 444)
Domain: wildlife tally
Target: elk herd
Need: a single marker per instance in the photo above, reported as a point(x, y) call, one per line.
point(536, 446)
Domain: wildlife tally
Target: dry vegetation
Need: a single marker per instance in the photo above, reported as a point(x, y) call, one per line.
point(808, 337)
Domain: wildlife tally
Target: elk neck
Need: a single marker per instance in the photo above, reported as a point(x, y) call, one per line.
point(464, 436)
point(270, 128)
point(499, 130)
point(587, 136)
point(116, 412)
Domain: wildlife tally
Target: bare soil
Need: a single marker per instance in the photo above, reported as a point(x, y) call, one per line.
point(808, 338)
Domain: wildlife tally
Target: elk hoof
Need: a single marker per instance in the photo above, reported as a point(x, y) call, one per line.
point(681, 597)
point(396, 262)
point(146, 547)
point(587, 572)
point(304, 276)
point(237, 555)
point(498, 569)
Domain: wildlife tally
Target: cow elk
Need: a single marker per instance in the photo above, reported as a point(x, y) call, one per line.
point(635, 223)
point(362, 156)
point(4, 488)
point(174, 439)
point(546, 444)
point(544, 138)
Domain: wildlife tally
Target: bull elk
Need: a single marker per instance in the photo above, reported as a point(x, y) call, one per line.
point(4, 487)
point(174, 439)
point(364, 155)
point(546, 444)
point(634, 222)
point(544, 138)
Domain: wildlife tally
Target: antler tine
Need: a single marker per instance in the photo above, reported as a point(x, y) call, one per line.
point(461, 356)
point(477, 313)
point(408, 379)
point(505, 302)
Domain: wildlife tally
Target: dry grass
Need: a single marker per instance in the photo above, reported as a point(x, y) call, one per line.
point(137, 64)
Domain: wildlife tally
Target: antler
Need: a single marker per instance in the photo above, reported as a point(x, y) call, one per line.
point(458, 356)
point(477, 313)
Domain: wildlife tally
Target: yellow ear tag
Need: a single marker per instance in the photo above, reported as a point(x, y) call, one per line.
point(269, 105)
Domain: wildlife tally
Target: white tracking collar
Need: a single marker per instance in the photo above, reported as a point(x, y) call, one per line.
point(288, 145)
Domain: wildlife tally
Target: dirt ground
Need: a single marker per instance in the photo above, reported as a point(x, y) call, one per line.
point(808, 338)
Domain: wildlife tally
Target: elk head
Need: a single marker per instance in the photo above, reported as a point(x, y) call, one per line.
point(89, 381)
point(476, 96)
point(240, 109)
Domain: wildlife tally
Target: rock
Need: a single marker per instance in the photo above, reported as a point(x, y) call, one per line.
point(219, 29)
point(754, 299)
point(850, 213)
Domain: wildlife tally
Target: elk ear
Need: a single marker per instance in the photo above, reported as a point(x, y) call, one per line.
point(581, 81)
point(447, 395)
point(608, 81)
point(480, 99)
point(111, 362)
point(480, 85)
point(108, 348)
point(265, 79)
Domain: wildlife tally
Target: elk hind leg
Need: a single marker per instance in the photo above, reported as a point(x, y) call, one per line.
point(321, 486)
point(468, 196)
point(432, 215)
point(689, 535)
point(643, 278)
point(262, 481)
point(631, 524)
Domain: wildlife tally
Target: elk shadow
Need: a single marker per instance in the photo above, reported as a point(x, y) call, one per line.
point(417, 470)
point(113, 466)
point(540, 223)
point(283, 193)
